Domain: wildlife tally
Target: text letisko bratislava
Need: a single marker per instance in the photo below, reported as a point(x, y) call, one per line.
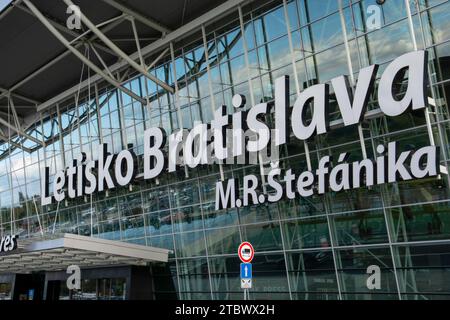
point(245, 135)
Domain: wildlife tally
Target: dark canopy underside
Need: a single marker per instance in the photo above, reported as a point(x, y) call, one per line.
point(26, 44)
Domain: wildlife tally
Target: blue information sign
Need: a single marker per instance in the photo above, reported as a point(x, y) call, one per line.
point(246, 270)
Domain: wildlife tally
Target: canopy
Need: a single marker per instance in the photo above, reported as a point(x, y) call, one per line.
point(69, 249)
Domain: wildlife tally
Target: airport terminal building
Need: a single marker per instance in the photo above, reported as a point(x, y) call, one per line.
point(129, 66)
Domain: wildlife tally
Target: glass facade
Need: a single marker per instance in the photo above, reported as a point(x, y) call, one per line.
point(95, 289)
point(307, 248)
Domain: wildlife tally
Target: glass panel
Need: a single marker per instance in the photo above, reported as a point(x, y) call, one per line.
point(187, 218)
point(263, 237)
point(428, 221)
point(88, 290)
point(424, 271)
point(312, 275)
point(190, 244)
point(223, 240)
point(5, 291)
point(194, 279)
point(390, 42)
point(360, 228)
point(225, 278)
point(354, 275)
point(306, 233)
point(270, 280)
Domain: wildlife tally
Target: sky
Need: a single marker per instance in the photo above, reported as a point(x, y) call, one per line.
point(4, 3)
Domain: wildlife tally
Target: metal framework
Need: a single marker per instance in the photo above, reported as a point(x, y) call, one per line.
point(60, 251)
point(160, 47)
point(89, 38)
point(153, 48)
point(108, 71)
point(77, 53)
point(56, 28)
point(138, 16)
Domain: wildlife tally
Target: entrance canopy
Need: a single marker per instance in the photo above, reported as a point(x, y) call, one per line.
point(69, 249)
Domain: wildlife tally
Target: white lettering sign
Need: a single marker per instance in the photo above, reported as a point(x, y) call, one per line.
point(246, 137)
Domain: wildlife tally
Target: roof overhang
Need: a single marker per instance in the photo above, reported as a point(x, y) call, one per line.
point(37, 67)
point(47, 66)
point(69, 249)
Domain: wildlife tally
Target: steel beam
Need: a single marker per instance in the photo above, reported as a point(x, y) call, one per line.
point(18, 107)
point(132, 39)
point(118, 51)
point(187, 29)
point(78, 54)
point(15, 144)
point(156, 46)
point(99, 57)
point(6, 114)
point(63, 28)
point(101, 24)
point(14, 113)
point(352, 77)
point(138, 16)
point(20, 131)
point(159, 57)
point(52, 20)
point(56, 59)
point(138, 45)
point(7, 10)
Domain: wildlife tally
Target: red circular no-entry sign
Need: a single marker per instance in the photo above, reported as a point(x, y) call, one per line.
point(246, 252)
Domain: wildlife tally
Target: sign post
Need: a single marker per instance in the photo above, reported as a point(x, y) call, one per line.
point(246, 254)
